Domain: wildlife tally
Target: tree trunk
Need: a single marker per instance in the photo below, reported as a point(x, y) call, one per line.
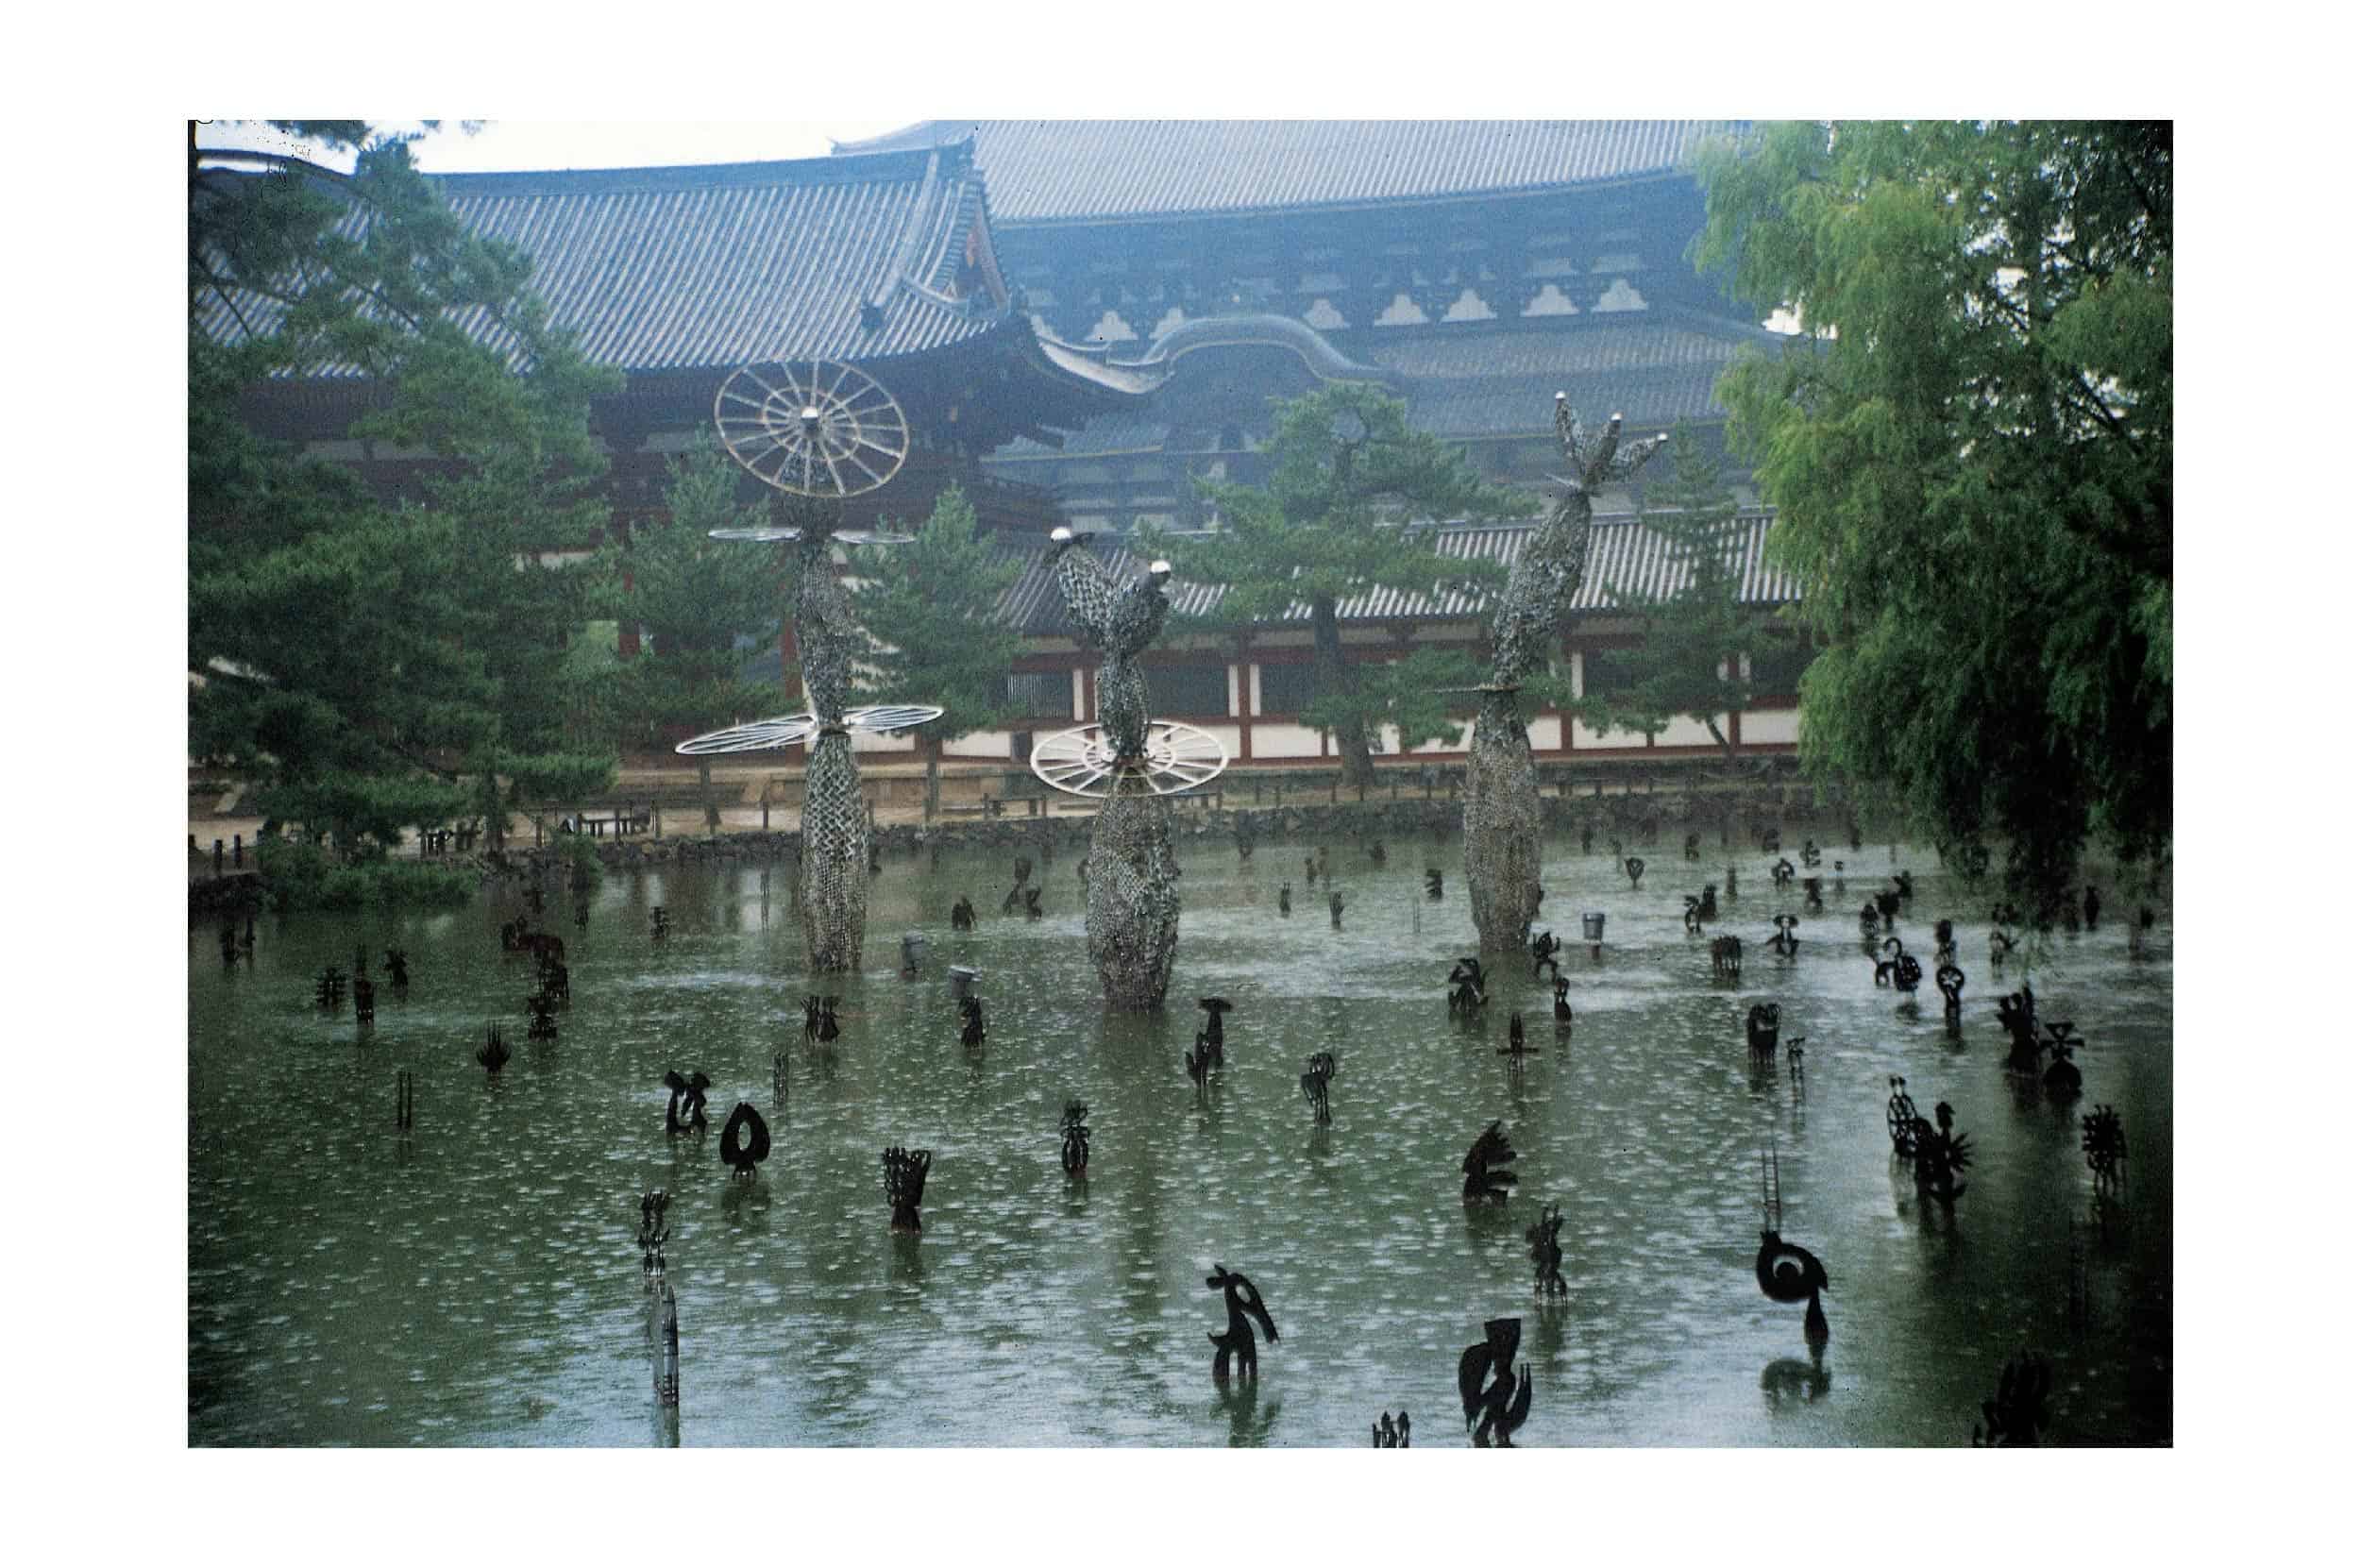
point(705, 789)
point(933, 747)
point(1333, 677)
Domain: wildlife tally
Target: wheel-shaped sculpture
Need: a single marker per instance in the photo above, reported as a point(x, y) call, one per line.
point(811, 427)
point(1901, 1123)
point(779, 535)
point(1082, 762)
point(771, 735)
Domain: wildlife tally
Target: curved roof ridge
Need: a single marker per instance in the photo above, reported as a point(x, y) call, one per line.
point(1261, 331)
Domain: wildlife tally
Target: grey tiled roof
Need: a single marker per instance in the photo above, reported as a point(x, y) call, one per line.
point(1069, 171)
point(697, 268)
point(1625, 557)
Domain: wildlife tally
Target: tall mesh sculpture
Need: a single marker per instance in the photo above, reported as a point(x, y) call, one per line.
point(1131, 877)
point(817, 435)
point(1504, 800)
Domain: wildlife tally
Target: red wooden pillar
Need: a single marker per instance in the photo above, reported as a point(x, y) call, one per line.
point(626, 634)
point(1246, 704)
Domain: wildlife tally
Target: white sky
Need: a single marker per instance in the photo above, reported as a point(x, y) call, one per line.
point(502, 144)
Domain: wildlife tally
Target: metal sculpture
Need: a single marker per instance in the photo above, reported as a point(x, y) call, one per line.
point(745, 1140)
point(1496, 1409)
point(1782, 873)
point(1317, 1071)
point(1945, 945)
point(1467, 987)
point(1201, 1059)
point(1541, 1238)
point(1691, 847)
point(543, 1022)
point(1898, 969)
point(1387, 1433)
point(2090, 906)
point(1486, 1167)
point(963, 914)
point(1215, 1006)
point(905, 1183)
point(811, 428)
point(1762, 1031)
point(1811, 854)
point(1729, 953)
point(1073, 1147)
point(653, 1232)
point(659, 922)
point(1811, 896)
point(2018, 1018)
point(1015, 901)
point(820, 1018)
point(1515, 1050)
point(1434, 884)
point(329, 991)
point(1503, 815)
point(1287, 894)
point(831, 896)
point(1949, 979)
point(1131, 915)
point(2015, 1417)
point(365, 1000)
point(1901, 1120)
point(1940, 1155)
point(494, 1053)
point(397, 963)
point(971, 1022)
point(1560, 1012)
point(2064, 1080)
point(405, 1101)
point(1634, 868)
point(1783, 938)
point(2104, 1149)
point(1336, 911)
point(1784, 1271)
point(1546, 948)
point(1243, 1303)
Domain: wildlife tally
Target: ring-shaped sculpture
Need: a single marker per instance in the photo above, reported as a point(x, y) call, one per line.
point(1129, 762)
point(811, 427)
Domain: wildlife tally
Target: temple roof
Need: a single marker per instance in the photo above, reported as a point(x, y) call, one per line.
point(1088, 171)
point(721, 266)
point(1626, 557)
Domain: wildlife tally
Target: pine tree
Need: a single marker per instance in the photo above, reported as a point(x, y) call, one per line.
point(1347, 475)
point(931, 607)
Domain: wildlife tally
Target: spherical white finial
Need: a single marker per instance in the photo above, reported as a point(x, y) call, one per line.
point(1059, 535)
point(1561, 397)
point(1159, 569)
point(811, 420)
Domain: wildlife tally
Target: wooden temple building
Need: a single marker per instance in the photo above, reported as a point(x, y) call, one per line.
point(1079, 320)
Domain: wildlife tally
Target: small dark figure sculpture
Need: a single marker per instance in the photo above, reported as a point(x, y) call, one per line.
point(1852, 835)
point(1016, 895)
point(2105, 1147)
point(1690, 847)
point(1690, 920)
point(1811, 854)
point(1762, 1031)
point(2018, 1017)
point(1467, 987)
point(405, 1101)
point(1387, 1433)
point(1811, 895)
point(363, 1000)
point(1783, 938)
point(653, 1232)
point(557, 983)
point(1377, 852)
point(905, 1183)
point(1434, 884)
point(1940, 1156)
point(1634, 868)
point(1242, 1301)
point(1903, 888)
point(1945, 947)
point(1545, 949)
point(1311, 872)
point(1898, 969)
point(1215, 1006)
point(1318, 1070)
point(2003, 942)
point(1486, 1167)
point(971, 1022)
point(745, 1138)
point(1336, 911)
point(1729, 953)
point(1586, 838)
point(1707, 908)
point(659, 922)
point(1782, 873)
point(1729, 883)
point(1515, 1050)
point(1287, 898)
point(1497, 1410)
point(1073, 1149)
point(1768, 838)
point(329, 992)
point(2014, 1419)
point(543, 1025)
point(1949, 980)
point(1203, 1058)
point(963, 914)
point(1541, 1240)
point(1794, 1058)
point(494, 1055)
point(1901, 1121)
point(819, 1018)
point(1889, 905)
point(1786, 1272)
point(688, 1094)
point(1033, 903)
point(2064, 1080)
point(1560, 1012)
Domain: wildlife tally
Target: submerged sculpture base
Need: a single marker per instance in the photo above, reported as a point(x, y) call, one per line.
point(833, 896)
point(1132, 898)
point(1503, 831)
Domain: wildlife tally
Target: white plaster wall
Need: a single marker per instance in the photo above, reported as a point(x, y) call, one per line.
point(1254, 688)
point(1285, 740)
point(1585, 741)
point(1460, 742)
point(1075, 713)
point(1227, 736)
point(1234, 710)
point(982, 746)
point(905, 743)
point(1688, 732)
point(1779, 726)
point(1541, 735)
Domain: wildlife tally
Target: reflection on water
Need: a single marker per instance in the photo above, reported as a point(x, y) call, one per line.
point(476, 1280)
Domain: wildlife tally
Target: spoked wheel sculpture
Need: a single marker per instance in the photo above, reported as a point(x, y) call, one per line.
point(1129, 762)
point(818, 431)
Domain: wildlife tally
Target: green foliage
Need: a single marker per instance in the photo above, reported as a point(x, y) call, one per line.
point(1971, 454)
point(303, 876)
point(930, 608)
point(1698, 643)
point(354, 657)
point(697, 597)
point(1411, 693)
point(1347, 473)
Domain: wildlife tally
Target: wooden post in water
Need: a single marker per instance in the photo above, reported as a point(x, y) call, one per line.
point(405, 1100)
point(665, 1330)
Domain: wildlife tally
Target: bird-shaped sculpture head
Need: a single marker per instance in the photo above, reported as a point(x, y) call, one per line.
point(1242, 1300)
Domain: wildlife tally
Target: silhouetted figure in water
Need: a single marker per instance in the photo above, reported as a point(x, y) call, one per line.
point(2018, 1017)
point(905, 1183)
point(819, 1018)
point(963, 914)
point(2090, 906)
point(2015, 1418)
point(1784, 1271)
point(745, 1138)
point(1015, 900)
point(1691, 920)
point(1434, 884)
point(1377, 852)
point(1033, 903)
point(1810, 855)
point(1869, 919)
point(1318, 1070)
point(1545, 949)
point(1940, 1157)
point(1782, 873)
point(1728, 955)
point(1243, 1303)
point(365, 1000)
point(1898, 969)
point(1496, 1409)
point(1540, 1239)
point(1811, 895)
point(1762, 1031)
point(1783, 938)
point(397, 968)
point(1690, 847)
point(1560, 1012)
point(1201, 1059)
point(1949, 980)
point(1903, 888)
point(1215, 1006)
point(1635, 868)
point(1387, 1433)
point(971, 1022)
point(1486, 1167)
point(1287, 898)
point(2064, 1080)
point(1889, 905)
point(1467, 987)
point(1336, 911)
point(1073, 1149)
point(495, 1053)
point(1586, 838)
point(1902, 1120)
point(329, 992)
point(2105, 1148)
point(1515, 1050)
point(660, 923)
point(544, 1024)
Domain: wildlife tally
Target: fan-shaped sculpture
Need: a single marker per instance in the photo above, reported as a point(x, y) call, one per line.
point(811, 427)
point(745, 1140)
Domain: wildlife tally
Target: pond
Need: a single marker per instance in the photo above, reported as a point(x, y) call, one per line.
point(477, 1281)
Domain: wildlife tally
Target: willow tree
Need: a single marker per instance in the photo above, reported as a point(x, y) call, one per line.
point(1347, 473)
point(1972, 460)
